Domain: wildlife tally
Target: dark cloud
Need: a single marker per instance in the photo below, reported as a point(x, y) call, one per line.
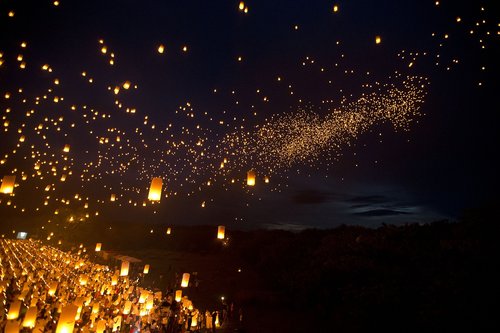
point(381, 212)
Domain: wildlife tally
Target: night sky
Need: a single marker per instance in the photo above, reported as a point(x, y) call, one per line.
point(358, 112)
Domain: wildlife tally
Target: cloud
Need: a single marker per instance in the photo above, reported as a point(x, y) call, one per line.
point(381, 212)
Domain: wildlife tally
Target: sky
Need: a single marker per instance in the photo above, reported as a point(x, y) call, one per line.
point(354, 112)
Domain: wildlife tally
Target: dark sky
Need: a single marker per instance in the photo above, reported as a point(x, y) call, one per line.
point(295, 55)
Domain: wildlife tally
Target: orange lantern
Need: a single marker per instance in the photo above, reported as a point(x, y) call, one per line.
point(155, 189)
point(221, 231)
point(8, 183)
point(98, 247)
point(251, 178)
point(185, 280)
point(124, 268)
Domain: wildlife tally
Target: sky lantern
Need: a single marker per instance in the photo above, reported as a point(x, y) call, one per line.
point(161, 49)
point(185, 280)
point(124, 268)
point(30, 317)
point(113, 197)
point(8, 183)
point(127, 307)
point(101, 326)
point(178, 295)
point(266, 179)
point(146, 269)
point(155, 189)
point(114, 280)
point(95, 308)
point(251, 178)
point(14, 309)
point(53, 288)
point(149, 302)
point(98, 247)
point(169, 231)
point(66, 148)
point(221, 231)
point(66, 321)
point(378, 39)
point(335, 8)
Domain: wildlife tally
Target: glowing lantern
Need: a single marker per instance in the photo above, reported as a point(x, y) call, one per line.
point(146, 269)
point(221, 231)
point(83, 279)
point(126, 85)
point(113, 197)
point(335, 8)
point(53, 288)
point(266, 180)
point(14, 309)
point(124, 268)
point(8, 183)
point(101, 326)
point(30, 317)
point(241, 6)
point(66, 148)
point(127, 307)
point(185, 280)
point(98, 247)
point(149, 302)
point(178, 295)
point(66, 321)
point(95, 308)
point(144, 296)
point(155, 189)
point(114, 279)
point(194, 321)
point(161, 49)
point(169, 231)
point(251, 178)
point(378, 39)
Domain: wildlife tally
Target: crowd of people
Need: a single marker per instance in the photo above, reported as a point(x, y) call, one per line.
point(44, 289)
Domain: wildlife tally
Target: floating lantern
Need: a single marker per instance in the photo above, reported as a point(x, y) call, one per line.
point(53, 288)
point(155, 189)
point(66, 321)
point(169, 231)
point(266, 180)
point(30, 317)
point(101, 326)
point(149, 302)
point(14, 309)
point(113, 197)
point(251, 178)
point(124, 268)
point(161, 49)
point(127, 307)
point(114, 280)
point(221, 231)
point(178, 295)
point(185, 280)
point(95, 308)
point(98, 247)
point(8, 183)
point(66, 148)
point(83, 279)
point(144, 296)
point(378, 39)
point(146, 269)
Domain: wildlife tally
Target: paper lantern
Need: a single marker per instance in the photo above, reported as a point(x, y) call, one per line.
point(83, 279)
point(155, 189)
point(52, 288)
point(178, 295)
point(14, 309)
point(113, 197)
point(149, 302)
point(194, 320)
point(101, 326)
point(127, 307)
point(146, 269)
point(30, 317)
point(98, 247)
point(185, 280)
point(95, 308)
point(251, 178)
point(221, 231)
point(144, 296)
point(66, 321)
point(8, 183)
point(378, 39)
point(114, 280)
point(124, 268)
point(66, 148)
point(266, 180)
